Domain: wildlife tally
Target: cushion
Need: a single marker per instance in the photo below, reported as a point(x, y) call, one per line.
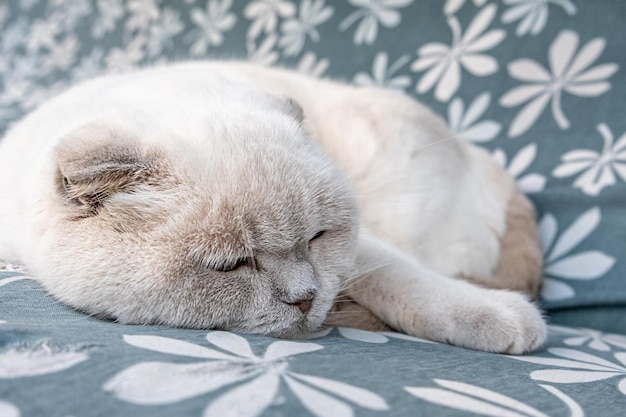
point(57, 362)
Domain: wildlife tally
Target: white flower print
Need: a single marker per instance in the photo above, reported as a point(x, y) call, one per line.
point(476, 400)
point(162, 30)
point(264, 54)
point(309, 64)
point(453, 6)
point(599, 168)
point(569, 72)
point(383, 74)
point(532, 14)
point(579, 367)
point(529, 183)
point(7, 267)
point(465, 124)
point(444, 62)
point(141, 13)
point(258, 378)
point(8, 410)
point(265, 15)
point(594, 339)
point(311, 14)
point(40, 360)
point(368, 336)
point(561, 264)
point(89, 66)
point(212, 24)
point(107, 16)
point(122, 60)
point(371, 13)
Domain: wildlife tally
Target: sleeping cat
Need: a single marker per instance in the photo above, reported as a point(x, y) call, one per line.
point(230, 196)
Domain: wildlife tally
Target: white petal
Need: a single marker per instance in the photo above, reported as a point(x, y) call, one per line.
point(588, 90)
point(540, 20)
point(231, 342)
point(317, 402)
point(403, 336)
point(174, 347)
point(561, 376)
point(426, 62)
point(581, 356)
point(490, 396)
point(570, 168)
point(515, 13)
point(621, 356)
point(532, 183)
point(449, 82)
point(562, 50)
point(284, 348)
point(587, 54)
point(452, 6)
point(479, 65)
point(8, 410)
point(482, 132)
point(477, 108)
point(589, 182)
point(487, 41)
point(580, 155)
point(6, 281)
point(578, 231)
point(434, 49)
point(528, 70)
point(362, 335)
point(379, 67)
point(359, 396)
point(528, 115)
point(389, 18)
point(523, 159)
point(429, 79)
point(163, 383)
point(597, 73)
point(455, 114)
point(519, 95)
point(248, 400)
point(547, 230)
point(479, 23)
point(554, 290)
point(565, 363)
point(460, 402)
point(622, 386)
point(616, 340)
point(38, 361)
point(586, 265)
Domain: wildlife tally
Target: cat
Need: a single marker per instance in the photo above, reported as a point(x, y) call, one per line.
point(227, 195)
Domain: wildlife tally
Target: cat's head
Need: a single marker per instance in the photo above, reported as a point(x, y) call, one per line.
point(242, 224)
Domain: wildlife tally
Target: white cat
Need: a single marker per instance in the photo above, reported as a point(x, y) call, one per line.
point(227, 196)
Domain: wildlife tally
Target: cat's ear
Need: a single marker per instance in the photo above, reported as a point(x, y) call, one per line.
point(98, 161)
point(293, 108)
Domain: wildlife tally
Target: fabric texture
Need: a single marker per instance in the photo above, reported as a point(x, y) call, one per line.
point(540, 83)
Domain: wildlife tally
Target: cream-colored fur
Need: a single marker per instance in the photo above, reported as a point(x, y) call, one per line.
point(227, 195)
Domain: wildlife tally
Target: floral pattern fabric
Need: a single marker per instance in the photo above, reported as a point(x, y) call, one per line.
point(540, 83)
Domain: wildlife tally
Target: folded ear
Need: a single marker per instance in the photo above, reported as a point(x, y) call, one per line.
point(97, 161)
point(294, 109)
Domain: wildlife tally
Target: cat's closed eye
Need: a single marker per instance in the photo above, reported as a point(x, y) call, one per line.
point(239, 263)
point(317, 235)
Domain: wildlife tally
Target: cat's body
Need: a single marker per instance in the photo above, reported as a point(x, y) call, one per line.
point(195, 195)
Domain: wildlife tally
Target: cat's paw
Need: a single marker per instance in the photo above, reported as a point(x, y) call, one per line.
point(505, 323)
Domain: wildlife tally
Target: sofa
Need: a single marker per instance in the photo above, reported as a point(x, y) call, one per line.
point(539, 83)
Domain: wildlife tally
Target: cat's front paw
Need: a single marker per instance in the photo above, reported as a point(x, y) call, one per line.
point(505, 323)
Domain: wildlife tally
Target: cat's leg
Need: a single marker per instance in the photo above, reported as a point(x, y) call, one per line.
point(423, 303)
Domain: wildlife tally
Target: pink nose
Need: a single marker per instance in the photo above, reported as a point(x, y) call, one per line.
point(303, 305)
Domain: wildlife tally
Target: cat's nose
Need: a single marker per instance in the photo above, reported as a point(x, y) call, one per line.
point(304, 303)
